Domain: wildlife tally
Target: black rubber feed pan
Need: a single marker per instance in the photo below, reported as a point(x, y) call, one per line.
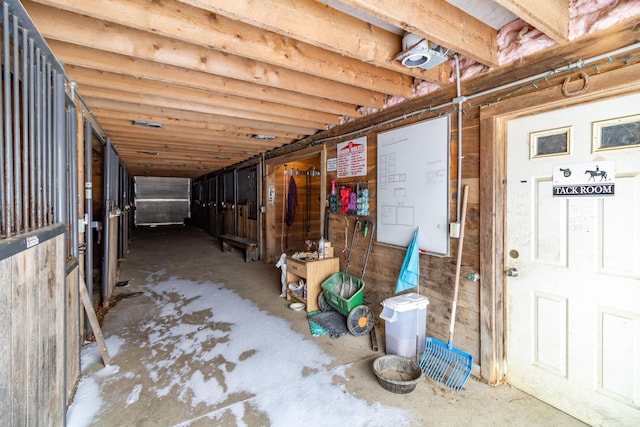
point(397, 374)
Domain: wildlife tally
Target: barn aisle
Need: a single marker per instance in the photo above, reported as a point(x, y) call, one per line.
point(199, 337)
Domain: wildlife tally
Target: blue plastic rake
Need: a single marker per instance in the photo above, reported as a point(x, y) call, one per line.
point(443, 362)
point(446, 364)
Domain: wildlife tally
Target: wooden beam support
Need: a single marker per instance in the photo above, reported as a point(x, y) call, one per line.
point(103, 114)
point(198, 26)
point(550, 17)
point(142, 87)
point(144, 100)
point(439, 22)
point(262, 126)
point(72, 28)
point(312, 22)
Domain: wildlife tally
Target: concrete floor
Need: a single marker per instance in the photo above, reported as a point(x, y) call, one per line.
point(190, 254)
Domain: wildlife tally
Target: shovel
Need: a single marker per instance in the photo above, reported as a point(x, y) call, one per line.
point(443, 362)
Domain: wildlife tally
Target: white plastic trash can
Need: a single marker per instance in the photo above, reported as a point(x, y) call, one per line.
point(405, 319)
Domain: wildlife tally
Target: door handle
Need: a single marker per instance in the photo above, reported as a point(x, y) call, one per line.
point(512, 272)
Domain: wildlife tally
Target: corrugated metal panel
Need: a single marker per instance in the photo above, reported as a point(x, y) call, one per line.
point(161, 200)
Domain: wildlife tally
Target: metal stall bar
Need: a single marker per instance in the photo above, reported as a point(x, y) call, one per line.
point(59, 150)
point(122, 194)
point(32, 136)
point(6, 192)
point(48, 145)
point(88, 215)
point(38, 120)
point(72, 160)
point(16, 129)
point(106, 225)
point(25, 133)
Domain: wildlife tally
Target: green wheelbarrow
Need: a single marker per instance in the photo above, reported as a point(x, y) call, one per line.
point(345, 293)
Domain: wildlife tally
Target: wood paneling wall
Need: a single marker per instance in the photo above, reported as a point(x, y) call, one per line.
point(247, 228)
point(75, 315)
point(307, 219)
point(113, 259)
point(437, 273)
point(32, 338)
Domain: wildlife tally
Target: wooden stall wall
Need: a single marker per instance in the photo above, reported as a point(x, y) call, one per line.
point(437, 272)
point(74, 331)
point(33, 335)
point(247, 227)
point(112, 259)
point(306, 223)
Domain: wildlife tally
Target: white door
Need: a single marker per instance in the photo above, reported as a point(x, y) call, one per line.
point(573, 311)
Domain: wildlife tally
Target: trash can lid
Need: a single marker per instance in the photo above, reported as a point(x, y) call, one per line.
point(406, 302)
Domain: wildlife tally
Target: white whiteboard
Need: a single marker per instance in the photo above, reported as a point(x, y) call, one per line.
point(413, 185)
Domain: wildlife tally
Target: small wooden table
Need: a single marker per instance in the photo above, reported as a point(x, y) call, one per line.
point(314, 272)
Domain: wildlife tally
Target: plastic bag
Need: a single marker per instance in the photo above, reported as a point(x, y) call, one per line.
point(282, 265)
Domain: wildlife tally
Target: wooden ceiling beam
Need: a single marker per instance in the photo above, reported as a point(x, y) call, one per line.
point(147, 148)
point(166, 156)
point(312, 22)
point(84, 57)
point(104, 114)
point(198, 26)
point(99, 79)
point(176, 139)
point(146, 100)
point(439, 22)
point(180, 169)
point(125, 125)
point(550, 17)
point(72, 28)
point(166, 139)
point(133, 108)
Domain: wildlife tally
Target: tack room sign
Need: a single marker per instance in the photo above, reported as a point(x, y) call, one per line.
point(593, 179)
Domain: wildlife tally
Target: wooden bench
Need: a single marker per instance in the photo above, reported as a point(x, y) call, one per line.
point(250, 247)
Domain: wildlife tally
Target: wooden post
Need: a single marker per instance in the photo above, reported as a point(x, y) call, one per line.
point(95, 325)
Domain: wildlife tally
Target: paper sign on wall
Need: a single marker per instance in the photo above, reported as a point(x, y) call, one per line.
point(352, 158)
point(332, 164)
point(593, 179)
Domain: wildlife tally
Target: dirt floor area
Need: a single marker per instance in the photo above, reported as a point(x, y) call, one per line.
point(199, 338)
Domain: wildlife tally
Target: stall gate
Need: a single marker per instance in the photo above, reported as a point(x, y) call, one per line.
point(38, 231)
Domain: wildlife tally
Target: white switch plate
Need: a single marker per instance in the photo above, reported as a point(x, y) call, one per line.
point(454, 230)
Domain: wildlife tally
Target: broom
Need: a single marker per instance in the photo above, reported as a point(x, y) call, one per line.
point(443, 362)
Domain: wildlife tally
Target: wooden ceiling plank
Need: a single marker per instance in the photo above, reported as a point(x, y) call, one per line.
point(201, 155)
point(98, 79)
point(72, 28)
point(550, 17)
point(312, 22)
point(166, 138)
point(222, 129)
point(162, 111)
point(125, 125)
point(195, 25)
point(74, 55)
point(439, 22)
point(169, 140)
point(152, 100)
point(213, 149)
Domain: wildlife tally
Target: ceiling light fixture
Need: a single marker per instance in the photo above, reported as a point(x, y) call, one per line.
point(264, 137)
point(419, 52)
point(144, 123)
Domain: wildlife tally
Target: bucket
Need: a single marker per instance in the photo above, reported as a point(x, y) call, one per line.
point(405, 319)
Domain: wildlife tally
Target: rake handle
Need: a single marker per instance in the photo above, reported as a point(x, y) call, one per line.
point(463, 218)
